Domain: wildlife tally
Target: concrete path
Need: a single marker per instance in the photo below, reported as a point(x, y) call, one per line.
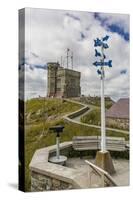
point(78, 117)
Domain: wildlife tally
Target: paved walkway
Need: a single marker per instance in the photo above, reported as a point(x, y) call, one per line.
point(77, 118)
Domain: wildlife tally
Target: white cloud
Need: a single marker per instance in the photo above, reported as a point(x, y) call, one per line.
point(52, 31)
point(35, 82)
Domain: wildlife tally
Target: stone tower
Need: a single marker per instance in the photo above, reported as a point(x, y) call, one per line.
point(52, 78)
point(62, 82)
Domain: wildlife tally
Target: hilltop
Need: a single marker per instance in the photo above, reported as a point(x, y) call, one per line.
point(94, 100)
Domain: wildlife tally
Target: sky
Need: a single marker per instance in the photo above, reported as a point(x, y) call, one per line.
point(48, 33)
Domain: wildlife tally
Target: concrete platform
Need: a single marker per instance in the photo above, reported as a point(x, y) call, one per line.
point(121, 177)
point(76, 174)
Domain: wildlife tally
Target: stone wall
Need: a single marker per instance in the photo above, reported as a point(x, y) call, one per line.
point(49, 176)
point(72, 83)
point(62, 82)
point(41, 182)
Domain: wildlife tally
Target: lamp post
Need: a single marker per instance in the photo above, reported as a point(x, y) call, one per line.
point(103, 157)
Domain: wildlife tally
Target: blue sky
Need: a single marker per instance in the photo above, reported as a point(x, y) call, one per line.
point(50, 32)
point(114, 27)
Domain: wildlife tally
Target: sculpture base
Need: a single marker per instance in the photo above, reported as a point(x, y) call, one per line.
point(104, 161)
point(60, 161)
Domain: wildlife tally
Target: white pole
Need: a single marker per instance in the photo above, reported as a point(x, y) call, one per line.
point(103, 132)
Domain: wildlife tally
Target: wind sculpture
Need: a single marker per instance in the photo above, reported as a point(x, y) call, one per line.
point(101, 43)
point(103, 158)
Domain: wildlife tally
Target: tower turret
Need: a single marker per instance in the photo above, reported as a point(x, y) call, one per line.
point(52, 78)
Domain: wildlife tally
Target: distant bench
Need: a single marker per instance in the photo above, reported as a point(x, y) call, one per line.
point(81, 143)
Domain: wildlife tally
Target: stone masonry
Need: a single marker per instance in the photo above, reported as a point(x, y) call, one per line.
point(63, 82)
point(47, 176)
point(40, 182)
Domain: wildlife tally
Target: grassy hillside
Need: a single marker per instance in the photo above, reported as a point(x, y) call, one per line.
point(95, 101)
point(93, 117)
point(40, 114)
point(38, 110)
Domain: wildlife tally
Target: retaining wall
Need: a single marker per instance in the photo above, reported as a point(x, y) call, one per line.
point(48, 176)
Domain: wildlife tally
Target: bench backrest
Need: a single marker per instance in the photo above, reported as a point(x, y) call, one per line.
point(94, 142)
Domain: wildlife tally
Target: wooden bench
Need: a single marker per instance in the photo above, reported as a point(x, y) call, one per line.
point(81, 143)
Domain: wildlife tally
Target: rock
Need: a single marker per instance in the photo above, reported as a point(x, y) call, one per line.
point(56, 183)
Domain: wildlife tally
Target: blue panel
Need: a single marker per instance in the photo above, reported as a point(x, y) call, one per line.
point(98, 63)
point(105, 38)
point(97, 53)
point(109, 63)
point(105, 46)
point(97, 43)
point(99, 71)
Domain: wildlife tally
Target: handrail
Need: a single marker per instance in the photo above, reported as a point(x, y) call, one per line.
point(103, 174)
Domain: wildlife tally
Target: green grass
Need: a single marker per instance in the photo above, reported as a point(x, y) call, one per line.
point(93, 117)
point(38, 110)
point(40, 115)
point(96, 101)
